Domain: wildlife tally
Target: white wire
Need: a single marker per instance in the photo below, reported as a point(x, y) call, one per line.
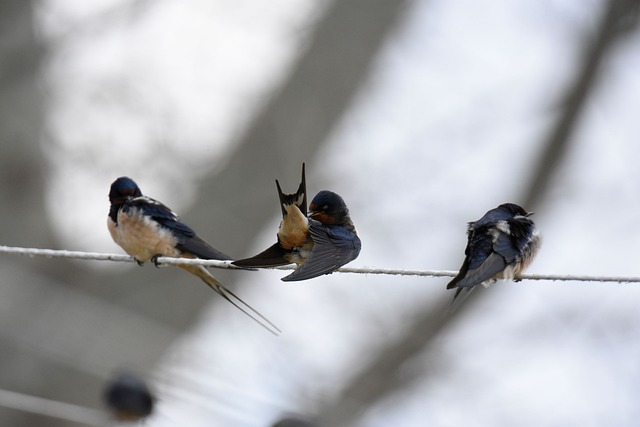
point(62, 410)
point(52, 408)
point(96, 256)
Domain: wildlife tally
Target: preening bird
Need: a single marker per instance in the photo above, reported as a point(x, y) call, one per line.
point(319, 240)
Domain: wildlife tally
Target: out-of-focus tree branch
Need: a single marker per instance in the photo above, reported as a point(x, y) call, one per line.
point(291, 128)
point(299, 117)
point(22, 166)
point(380, 377)
point(619, 19)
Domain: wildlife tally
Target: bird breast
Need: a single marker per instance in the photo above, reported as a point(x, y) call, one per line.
point(142, 237)
point(294, 229)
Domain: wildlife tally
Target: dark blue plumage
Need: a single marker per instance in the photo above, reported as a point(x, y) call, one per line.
point(500, 245)
point(319, 241)
point(128, 398)
point(335, 239)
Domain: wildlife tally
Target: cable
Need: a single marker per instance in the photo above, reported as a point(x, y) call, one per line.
point(96, 256)
point(52, 408)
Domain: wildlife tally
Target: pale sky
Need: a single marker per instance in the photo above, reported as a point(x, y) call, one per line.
point(446, 128)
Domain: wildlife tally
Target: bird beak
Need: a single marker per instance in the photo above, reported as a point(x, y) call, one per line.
point(529, 214)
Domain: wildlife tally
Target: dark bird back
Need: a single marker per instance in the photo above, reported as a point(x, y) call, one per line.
point(500, 245)
point(147, 229)
point(335, 240)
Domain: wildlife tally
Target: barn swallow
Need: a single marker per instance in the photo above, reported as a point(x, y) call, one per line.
point(294, 243)
point(500, 245)
point(335, 239)
point(319, 241)
point(128, 398)
point(147, 229)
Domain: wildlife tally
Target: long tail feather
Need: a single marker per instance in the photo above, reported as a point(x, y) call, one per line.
point(270, 257)
point(299, 198)
point(225, 293)
point(459, 297)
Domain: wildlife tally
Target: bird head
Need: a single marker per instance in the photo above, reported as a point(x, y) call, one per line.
point(328, 208)
point(122, 190)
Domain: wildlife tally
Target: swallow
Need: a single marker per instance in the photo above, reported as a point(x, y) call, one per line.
point(128, 398)
point(147, 229)
point(500, 245)
point(319, 240)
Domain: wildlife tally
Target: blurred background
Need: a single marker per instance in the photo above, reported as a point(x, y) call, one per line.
point(422, 114)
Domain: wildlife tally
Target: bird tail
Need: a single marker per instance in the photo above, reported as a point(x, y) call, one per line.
point(270, 257)
point(299, 198)
point(459, 297)
point(225, 293)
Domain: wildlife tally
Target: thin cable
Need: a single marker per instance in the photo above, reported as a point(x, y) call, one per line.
point(52, 408)
point(96, 256)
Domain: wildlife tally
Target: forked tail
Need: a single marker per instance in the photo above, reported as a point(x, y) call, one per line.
point(299, 198)
point(225, 293)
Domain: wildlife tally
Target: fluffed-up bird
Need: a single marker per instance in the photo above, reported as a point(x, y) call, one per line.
point(500, 245)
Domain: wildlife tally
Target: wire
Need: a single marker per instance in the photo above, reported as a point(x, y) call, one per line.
point(96, 256)
point(52, 408)
point(84, 415)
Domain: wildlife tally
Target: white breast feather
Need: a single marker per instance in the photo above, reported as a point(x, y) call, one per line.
point(141, 237)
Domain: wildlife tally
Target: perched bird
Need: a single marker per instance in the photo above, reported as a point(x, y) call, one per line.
point(128, 398)
point(500, 245)
point(335, 240)
point(320, 241)
point(146, 229)
point(294, 243)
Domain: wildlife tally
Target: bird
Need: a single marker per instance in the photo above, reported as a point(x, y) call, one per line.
point(128, 397)
point(294, 422)
point(147, 229)
point(320, 240)
point(500, 245)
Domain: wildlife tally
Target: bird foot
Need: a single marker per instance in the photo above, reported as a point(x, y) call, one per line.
point(154, 260)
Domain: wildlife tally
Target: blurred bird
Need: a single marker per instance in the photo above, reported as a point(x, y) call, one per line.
point(146, 229)
point(500, 245)
point(320, 241)
point(294, 422)
point(128, 398)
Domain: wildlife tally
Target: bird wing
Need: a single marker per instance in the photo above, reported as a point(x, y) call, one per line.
point(521, 231)
point(506, 247)
point(333, 247)
point(188, 240)
point(488, 252)
point(198, 247)
point(461, 274)
point(491, 266)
